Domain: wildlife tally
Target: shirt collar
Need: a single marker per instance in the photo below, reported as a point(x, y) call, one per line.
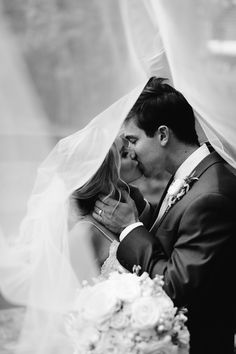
point(191, 162)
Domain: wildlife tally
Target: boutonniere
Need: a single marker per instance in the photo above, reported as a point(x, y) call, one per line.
point(179, 188)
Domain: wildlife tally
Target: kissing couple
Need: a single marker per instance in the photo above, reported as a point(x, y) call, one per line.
point(84, 191)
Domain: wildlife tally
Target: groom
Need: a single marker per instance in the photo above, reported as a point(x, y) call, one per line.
point(191, 238)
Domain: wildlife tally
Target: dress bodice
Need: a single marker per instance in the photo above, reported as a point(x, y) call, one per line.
point(111, 264)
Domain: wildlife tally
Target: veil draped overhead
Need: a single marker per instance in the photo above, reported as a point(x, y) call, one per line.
point(200, 43)
point(41, 250)
point(176, 39)
point(35, 266)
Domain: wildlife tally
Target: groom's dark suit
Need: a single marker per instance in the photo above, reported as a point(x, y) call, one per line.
point(193, 246)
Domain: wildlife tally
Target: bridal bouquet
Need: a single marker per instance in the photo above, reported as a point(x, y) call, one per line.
point(127, 313)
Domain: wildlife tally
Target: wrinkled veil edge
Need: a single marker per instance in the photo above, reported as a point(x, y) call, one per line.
point(36, 271)
point(187, 30)
point(38, 260)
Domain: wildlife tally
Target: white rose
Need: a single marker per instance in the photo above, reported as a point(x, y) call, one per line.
point(100, 303)
point(120, 320)
point(165, 304)
point(145, 313)
point(127, 286)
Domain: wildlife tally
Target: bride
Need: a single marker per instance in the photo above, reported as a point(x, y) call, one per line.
point(111, 179)
point(44, 268)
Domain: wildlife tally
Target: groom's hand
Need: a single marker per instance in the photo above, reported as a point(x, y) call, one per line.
point(115, 215)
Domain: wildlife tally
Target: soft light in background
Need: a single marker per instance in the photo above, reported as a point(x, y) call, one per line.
point(62, 63)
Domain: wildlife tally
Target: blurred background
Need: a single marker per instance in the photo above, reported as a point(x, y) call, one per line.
point(64, 61)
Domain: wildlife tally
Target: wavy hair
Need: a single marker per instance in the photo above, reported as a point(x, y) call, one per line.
point(105, 181)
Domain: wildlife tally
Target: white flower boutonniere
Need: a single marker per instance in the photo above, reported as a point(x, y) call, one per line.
point(179, 188)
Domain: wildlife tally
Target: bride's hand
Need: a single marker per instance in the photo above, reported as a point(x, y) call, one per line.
point(115, 215)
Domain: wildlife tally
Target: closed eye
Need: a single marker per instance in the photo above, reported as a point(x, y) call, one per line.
point(123, 152)
point(131, 139)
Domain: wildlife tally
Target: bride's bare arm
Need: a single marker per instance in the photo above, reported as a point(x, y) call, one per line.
point(81, 251)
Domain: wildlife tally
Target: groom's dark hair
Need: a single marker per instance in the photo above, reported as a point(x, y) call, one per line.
point(160, 104)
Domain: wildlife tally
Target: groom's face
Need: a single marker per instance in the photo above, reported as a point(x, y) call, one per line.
point(145, 150)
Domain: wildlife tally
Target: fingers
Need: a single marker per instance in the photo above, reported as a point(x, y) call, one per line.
point(104, 209)
point(107, 200)
point(105, 203)
point(127, 198)
point(101, 216)
point(98, 210)
point(108, 205)
point(99, 205)
point(97, 216)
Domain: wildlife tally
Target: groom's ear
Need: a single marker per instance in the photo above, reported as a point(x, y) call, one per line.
point(163, 134)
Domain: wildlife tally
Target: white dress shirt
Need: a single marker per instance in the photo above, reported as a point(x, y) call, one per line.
point(184, 170)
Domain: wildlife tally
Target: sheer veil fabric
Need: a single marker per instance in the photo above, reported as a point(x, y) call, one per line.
point(35, 268)
point(199, 39)
point(36, 271)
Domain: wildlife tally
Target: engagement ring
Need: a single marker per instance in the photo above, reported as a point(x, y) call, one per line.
point(100, 212)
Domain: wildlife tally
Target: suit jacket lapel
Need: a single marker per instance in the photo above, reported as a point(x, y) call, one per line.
point(208, 161)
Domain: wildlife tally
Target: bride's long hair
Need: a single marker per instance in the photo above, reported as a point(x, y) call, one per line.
point(105, 181)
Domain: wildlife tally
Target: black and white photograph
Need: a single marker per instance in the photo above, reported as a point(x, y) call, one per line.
point(117, 177)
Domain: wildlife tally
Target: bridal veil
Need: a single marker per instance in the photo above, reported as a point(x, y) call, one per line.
point(175, 39)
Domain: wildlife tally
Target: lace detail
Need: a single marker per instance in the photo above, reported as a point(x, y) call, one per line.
point(112, 264)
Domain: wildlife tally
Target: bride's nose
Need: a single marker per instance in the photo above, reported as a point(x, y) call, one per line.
point(132, 154)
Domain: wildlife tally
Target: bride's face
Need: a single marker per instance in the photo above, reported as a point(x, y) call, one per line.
point(129, 171)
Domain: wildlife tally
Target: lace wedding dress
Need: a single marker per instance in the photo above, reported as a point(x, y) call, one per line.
point(112, 264)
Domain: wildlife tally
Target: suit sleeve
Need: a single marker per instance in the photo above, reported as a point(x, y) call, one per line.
point(203, 245)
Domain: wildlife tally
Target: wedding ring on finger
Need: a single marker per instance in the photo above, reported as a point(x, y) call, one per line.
point(100, 212)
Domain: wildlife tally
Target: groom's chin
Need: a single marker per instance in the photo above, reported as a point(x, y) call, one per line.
point(147, 174)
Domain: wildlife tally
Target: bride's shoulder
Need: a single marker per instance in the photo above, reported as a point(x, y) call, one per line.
point(86, 226)
point(83, 225)
point(89, 226)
